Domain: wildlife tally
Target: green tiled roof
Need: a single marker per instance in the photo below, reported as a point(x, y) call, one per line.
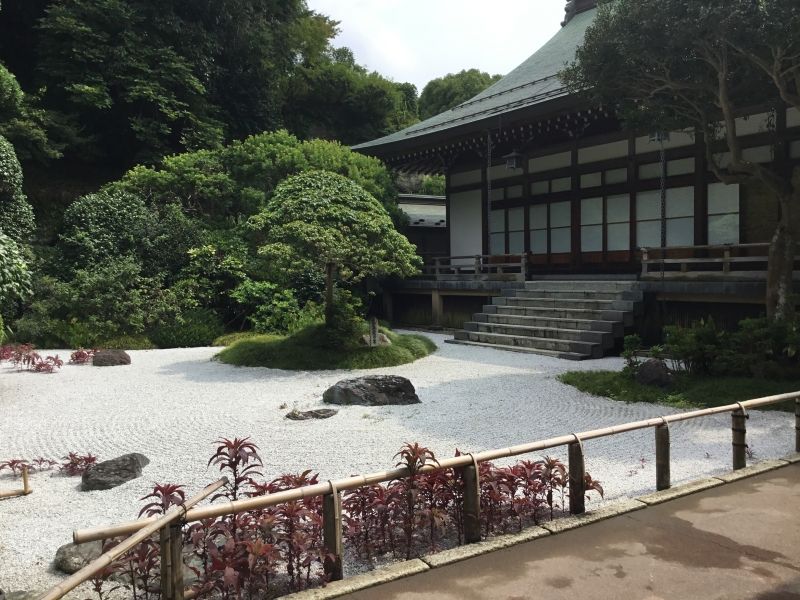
point(532, 83)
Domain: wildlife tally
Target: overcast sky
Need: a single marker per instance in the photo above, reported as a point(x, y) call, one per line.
point(419, 40)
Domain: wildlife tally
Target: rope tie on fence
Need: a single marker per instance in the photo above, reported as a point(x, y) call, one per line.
point(577, 439)
point(334, 489)
point(743, 409)
point(665, 422)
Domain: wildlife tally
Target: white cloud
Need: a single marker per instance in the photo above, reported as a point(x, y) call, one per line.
point(419, 40)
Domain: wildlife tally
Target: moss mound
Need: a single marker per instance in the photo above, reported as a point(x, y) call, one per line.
point(310, 350)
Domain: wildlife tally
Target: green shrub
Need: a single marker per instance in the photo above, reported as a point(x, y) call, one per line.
point(632, 345)
point(104, 302)
point(2, 330)
point(128, 342)
point(702, 349)
point(194, 328)
point(15, 277)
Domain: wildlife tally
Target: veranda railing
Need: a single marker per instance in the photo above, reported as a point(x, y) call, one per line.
point(170, 525)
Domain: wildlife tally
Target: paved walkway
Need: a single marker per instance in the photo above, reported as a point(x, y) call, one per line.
point(736, 541)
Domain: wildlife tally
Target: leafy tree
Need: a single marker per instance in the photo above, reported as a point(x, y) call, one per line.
point(321, 221)
point(15, 276)
point(16, 215)
point(453, 89)
point(667, 64)
point(21, 122)
point(335, 98)
point(224, 184)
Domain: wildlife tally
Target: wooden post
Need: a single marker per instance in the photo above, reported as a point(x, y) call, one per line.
point(471, 510)
point(26, 488)
point(662, 457)
point(797, 425)
point(577, 481)
point(645, 258)
point(726, 262)
point(477, 265)
point(332, 534)
point(739, 439)
point(176, 555)
point(166, 563)
point(437, 269)
point(437, 308)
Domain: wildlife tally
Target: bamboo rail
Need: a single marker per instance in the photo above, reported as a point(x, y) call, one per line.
point(170, 525)
point(26, 488)
point(230, 507)
point(147, 528)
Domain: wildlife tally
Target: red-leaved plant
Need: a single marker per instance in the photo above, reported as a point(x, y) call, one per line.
point(81, 356)
point(75, 464)
point(271, 551)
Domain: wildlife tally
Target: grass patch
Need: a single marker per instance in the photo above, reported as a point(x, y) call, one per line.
point(306, 351)
point(231, 338)
point(686, 391)
point(128, 342)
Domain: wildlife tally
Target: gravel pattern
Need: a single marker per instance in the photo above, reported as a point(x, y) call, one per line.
point(172, 404)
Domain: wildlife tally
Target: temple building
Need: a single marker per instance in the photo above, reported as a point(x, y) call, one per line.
point(548, 194)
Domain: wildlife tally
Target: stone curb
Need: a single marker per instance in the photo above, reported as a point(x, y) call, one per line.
point(601, 514)
point(762, 467)
point(454, 555)
point(363, 581)
point(680, 490)
point(792, 458)
point(460, 553)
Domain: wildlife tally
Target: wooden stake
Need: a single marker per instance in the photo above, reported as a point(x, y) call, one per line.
point(739, 439)
point(797, 425)
point(662, 457)
point(577, 481)
point(26, 488)
point(471, 510)
point(176, 555)
point(166, 564)
point(332, 534)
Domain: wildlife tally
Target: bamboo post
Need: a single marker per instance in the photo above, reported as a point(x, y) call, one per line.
point(167, 591)
point(176, 559)
point(577, 478)
point(471, 509)
point(739, 438)
point(332, 533)
point(662, 457)
point(797, 425)
point(26, 488)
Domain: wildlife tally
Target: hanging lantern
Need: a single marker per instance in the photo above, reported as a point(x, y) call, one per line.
point(513, 161)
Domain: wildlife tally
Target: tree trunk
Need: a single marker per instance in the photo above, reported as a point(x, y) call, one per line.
point(329, 284)
point(780, 303)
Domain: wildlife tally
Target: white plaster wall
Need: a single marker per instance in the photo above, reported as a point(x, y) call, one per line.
point(465, 177)
point(466, 224)
point(603, 152)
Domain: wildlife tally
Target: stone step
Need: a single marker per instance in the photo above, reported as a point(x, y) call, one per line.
point(614, 327)
point(606, 340)
point(585, 303)
point(539, 351)
point(594, 286)
point(624, 317)
point(589, 349)
point(632, 295)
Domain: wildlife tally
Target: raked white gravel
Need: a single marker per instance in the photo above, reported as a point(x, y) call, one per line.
point(172, 404)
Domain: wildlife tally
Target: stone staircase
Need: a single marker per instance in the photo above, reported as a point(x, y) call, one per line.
point(575, 320)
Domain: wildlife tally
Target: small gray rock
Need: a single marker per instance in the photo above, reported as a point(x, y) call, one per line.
point(320, 413)
point(654, 372)
point(71, 558)
point(111, 358)
point(21, 595)
point(373, 390)
point(111, 473)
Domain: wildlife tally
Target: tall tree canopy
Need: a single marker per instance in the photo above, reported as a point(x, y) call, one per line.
point(451, 90)
point(130, 81)
point(667, 64)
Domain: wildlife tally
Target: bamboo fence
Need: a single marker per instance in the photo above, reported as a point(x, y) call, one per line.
point(26, 488)
point(466, 464)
